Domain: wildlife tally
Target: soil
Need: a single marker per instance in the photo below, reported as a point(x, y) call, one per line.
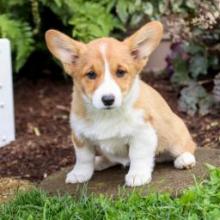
point(43, 144)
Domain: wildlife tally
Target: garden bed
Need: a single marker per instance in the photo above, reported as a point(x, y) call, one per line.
point(43, 143)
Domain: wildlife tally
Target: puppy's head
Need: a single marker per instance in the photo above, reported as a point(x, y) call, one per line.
point(105, 69)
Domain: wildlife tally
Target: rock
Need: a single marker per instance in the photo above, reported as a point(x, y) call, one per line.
point(165, 177)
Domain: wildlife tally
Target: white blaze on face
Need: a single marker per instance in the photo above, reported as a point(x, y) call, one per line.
point(107, 87)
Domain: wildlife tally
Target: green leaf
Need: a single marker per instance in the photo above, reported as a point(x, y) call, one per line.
point(162, 7)
point(194, 98)
point(135, 19)
point(58, 3)
point(193, 216)
point(188, 101)
point(181, 72)
point(205, 104)
point(176, 5)
point(191, 4)
point(187, 198)
point(87, 26)
point(210, 167)
point(198, 66)
point(214, 215)
point(122, 10)
point(192, 48)
point(110, 5)
point(213, 61)
point(148, 8)
point(21, 37)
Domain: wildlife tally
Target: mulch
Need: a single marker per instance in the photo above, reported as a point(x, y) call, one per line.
point(43, 144)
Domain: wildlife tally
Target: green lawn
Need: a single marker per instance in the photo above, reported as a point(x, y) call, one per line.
point(202, 201)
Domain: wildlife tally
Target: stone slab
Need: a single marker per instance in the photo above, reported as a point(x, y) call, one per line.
point(165, 177)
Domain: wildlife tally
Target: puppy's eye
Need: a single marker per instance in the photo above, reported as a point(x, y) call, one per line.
point(91, 75)
point(120, 73)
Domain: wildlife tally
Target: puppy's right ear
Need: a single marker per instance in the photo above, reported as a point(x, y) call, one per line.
point(65, 49)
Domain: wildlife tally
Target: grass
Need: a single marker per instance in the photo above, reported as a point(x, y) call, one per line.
point(202, 201)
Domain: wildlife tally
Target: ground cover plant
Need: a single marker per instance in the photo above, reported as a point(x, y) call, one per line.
point(194, 65)
point(202, 201)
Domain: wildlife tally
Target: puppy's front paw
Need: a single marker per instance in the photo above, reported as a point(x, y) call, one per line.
point(78, 176)
point(185, 161)
point(137, 179)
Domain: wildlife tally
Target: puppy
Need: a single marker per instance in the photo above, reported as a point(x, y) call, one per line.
point(114, 112)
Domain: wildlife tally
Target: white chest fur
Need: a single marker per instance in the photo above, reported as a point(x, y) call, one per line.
point(105, 124)
point(110, 130)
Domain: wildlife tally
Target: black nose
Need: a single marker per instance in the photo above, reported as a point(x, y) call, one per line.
point(108, 100)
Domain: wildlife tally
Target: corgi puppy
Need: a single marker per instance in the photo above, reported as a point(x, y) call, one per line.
point(113, 112)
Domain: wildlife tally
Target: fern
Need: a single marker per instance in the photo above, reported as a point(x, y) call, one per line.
point(86, 19)
point(60, 8)
point(36, 15)
point(87, 26)
point(6, 5)
point(21, 37)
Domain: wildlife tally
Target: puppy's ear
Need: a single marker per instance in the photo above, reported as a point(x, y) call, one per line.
point(145, 40)
point(65, 49)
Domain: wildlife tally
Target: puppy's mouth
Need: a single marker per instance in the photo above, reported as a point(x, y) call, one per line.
point(109, 108)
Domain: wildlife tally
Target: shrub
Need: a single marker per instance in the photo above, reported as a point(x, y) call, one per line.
point(20, 33)
point(24, 22)
point(194, 63)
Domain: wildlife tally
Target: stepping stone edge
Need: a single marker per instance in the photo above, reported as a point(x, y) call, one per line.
point(110, 181)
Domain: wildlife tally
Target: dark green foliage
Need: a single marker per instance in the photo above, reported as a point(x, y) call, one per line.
point(14, 25)
point(93, 26)
point(88, 19)
point(194, 66)
point(195, 98)
point(20, 33)
point(24, 22)
point(201, 201)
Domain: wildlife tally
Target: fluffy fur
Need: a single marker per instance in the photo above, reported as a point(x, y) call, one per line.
point(137, 125)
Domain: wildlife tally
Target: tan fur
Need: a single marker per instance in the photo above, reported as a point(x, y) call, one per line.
point(77, 141)
point(92, 61)
point(171, 130)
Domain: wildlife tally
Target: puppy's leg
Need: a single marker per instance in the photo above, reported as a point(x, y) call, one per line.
point(84, 167)
point(185, 158)
point(102, 163)
point(141, 154)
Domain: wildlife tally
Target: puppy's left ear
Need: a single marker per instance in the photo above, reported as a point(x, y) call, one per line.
point(144, 41)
